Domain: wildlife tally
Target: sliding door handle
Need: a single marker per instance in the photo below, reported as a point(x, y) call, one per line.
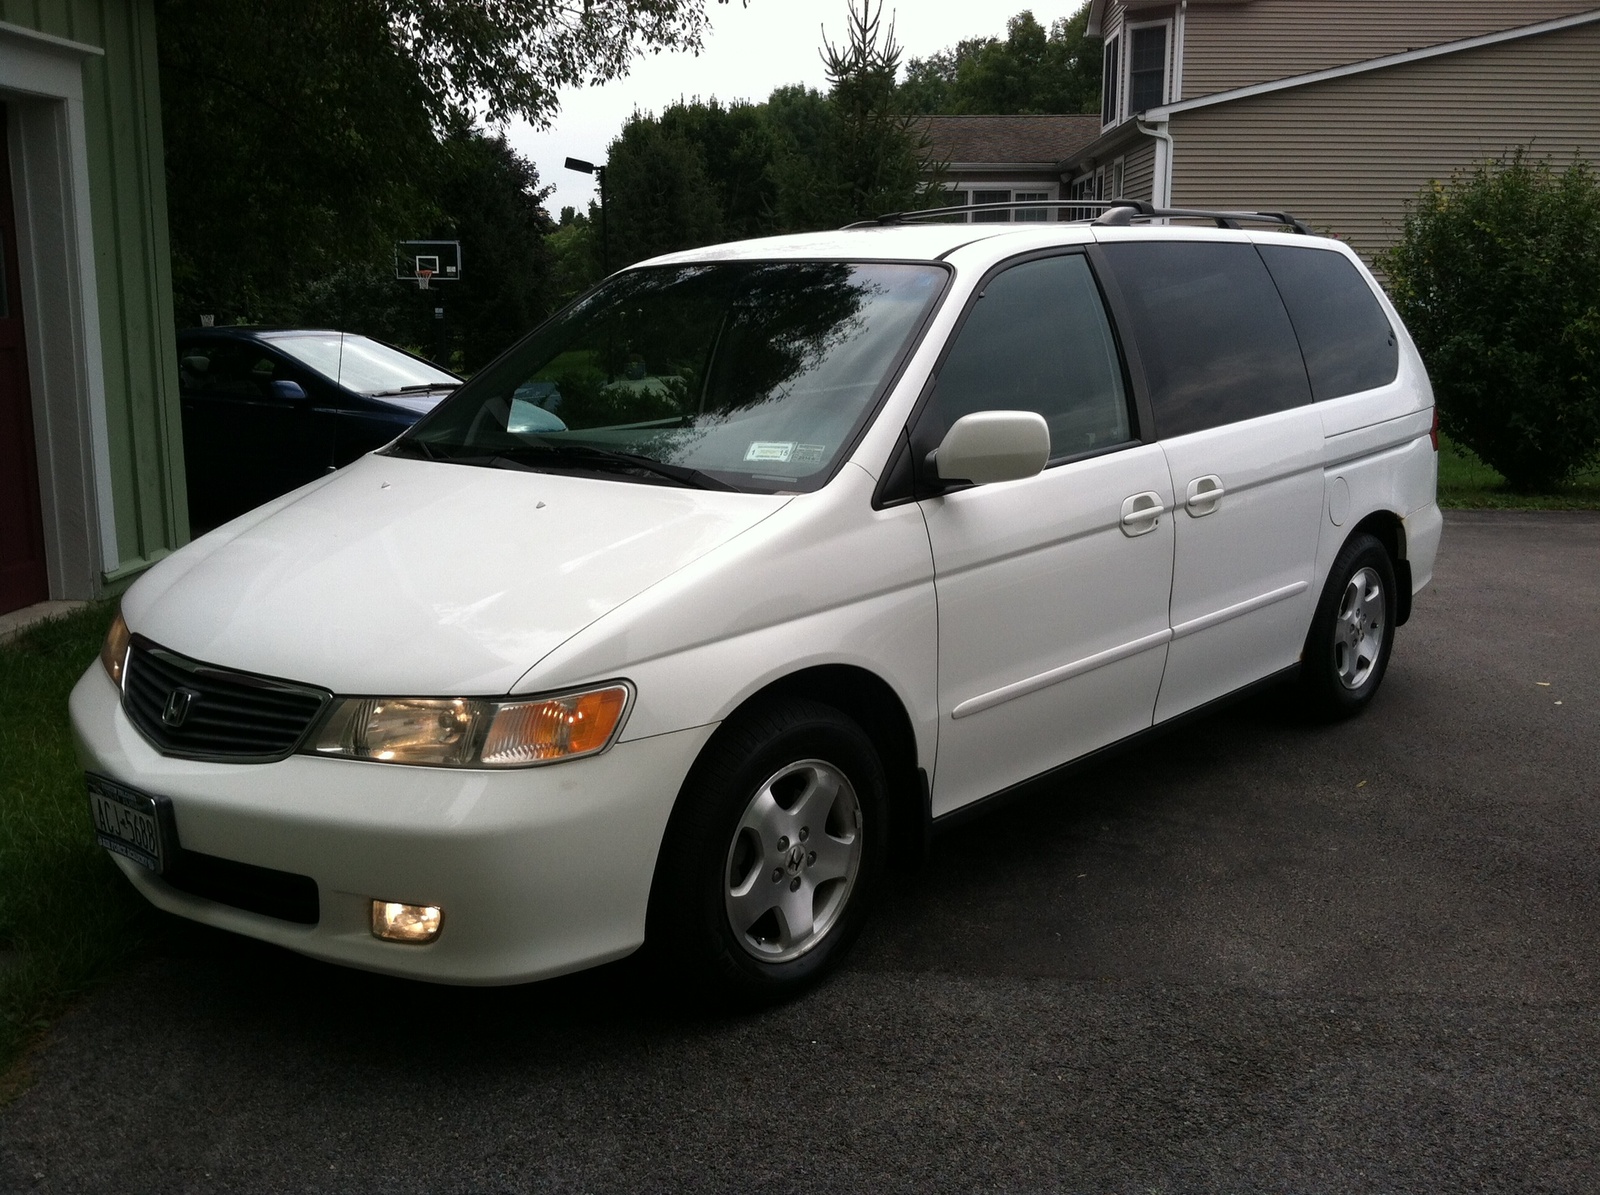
point(1204, 494)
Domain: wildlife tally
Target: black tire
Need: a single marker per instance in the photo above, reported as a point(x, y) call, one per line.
point(794, 748)
point(1346, 655)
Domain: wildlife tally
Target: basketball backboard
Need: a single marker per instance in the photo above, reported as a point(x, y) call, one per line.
point(425, 262)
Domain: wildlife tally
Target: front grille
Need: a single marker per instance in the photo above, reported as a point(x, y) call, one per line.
point(280, 894)
point(200, 711)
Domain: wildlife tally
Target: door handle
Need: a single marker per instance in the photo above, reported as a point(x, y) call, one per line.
point(1141, 514)
point(1204, 494)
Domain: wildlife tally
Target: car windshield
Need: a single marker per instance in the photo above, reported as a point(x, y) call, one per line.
point(734, 375)
point(360, 364)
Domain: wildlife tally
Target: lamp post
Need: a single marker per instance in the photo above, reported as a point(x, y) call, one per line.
point(599, 172)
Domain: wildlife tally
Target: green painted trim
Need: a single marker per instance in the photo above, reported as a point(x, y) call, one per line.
point(49, 39)
point(125, 573)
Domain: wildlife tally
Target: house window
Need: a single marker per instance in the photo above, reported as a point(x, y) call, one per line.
point(1000, 217)
point(1147, 67)
point(1032, 215)
point(1110, 84)
point(1079, 190)
point(1117, 178)
point(954, 199)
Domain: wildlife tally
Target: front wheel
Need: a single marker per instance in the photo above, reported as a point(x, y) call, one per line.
point(1352, 632)
point(772, 855)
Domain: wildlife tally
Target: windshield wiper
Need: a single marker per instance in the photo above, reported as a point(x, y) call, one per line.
point(418, 389)
point(581, 454)
point(411, 446)
point(681, 474)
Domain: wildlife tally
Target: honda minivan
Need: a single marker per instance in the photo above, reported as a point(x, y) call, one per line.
point(734, 579)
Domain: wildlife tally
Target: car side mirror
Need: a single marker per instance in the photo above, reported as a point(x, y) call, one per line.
point(283, 388)
point(989, 446)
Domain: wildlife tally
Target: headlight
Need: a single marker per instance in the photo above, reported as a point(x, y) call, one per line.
point(473, 732)
point(114, 651)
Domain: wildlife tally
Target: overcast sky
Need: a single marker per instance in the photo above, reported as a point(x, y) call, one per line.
point(749, 51)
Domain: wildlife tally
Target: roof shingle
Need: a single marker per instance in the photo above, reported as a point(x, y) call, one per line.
point(1043, 139)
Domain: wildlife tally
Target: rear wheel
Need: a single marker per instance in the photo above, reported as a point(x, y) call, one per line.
point(772, 855)
point(1352, 634)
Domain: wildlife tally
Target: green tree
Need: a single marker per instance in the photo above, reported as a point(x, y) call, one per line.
point(305, 137)
point(878, 159)
point(658, 196)
point(1497, 276)
point(493, 204)
point(1031, 72)
point(575, 253)
point(704, 171)
point(737, 146)
point(486, 196)
point(296, 134)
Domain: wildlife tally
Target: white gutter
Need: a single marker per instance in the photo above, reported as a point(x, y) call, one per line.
point(1161, 114)
point(1177, 51)
point(1161, 183)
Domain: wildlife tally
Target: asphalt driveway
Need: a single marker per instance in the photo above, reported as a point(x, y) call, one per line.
point(1250, 956)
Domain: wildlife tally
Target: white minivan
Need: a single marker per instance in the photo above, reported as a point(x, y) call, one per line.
point(738, 576)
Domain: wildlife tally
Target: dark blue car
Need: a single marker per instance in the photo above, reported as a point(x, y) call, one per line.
point(266, 410)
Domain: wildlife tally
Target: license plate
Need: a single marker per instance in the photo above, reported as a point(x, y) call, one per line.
point(126, 821)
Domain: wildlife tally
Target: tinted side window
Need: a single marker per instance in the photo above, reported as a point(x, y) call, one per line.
point(227, 370)
point(1346, 338)
point(1037, 340)
point(1212, 333)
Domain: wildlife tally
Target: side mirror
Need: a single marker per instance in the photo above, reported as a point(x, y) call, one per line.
point(991, 446)
point(283, 388)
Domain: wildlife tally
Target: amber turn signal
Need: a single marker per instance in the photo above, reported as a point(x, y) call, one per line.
point(114, 651)
point(554, 728)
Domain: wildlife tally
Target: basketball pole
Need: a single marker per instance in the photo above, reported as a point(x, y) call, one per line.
point(605, 247)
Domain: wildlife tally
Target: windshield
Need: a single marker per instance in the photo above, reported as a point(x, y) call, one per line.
point(747, 375)
point(362, 365)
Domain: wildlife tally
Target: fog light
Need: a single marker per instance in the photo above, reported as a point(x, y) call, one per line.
point(395, 922)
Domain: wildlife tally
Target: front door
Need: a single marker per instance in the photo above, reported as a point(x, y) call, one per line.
point(23, 579)
point(245, 440)
point(1052, 590)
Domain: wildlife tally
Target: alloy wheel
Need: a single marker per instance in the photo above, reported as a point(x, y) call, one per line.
point(1358, 628)
point(793, 860)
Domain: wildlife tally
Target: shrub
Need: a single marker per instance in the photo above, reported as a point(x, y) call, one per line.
point(1497, 275)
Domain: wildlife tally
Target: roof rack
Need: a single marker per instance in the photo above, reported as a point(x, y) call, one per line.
point(1123, 212)
point(1114, 213)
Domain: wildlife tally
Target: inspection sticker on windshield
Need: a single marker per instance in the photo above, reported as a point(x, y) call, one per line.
point(769, 450)
point(807, 454)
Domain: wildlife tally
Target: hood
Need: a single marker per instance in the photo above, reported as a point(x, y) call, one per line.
point(407, 577)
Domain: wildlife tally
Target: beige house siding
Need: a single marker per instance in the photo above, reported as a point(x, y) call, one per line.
point(1347, 154)
point(1139, 171)
point(1236, 45)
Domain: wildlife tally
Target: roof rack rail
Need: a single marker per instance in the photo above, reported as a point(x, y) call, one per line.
point(935, 212)
point(1123, 212)
point(1114, 213)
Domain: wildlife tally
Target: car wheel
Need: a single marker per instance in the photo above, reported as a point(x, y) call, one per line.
point(1352, 633)
point(772, 855)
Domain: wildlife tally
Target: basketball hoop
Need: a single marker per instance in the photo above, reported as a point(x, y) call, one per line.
point(422, 278)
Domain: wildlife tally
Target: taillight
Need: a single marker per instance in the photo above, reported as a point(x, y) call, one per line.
point(1433, 432)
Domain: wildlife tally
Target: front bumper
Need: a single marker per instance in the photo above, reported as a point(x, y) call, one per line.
point(539, 871)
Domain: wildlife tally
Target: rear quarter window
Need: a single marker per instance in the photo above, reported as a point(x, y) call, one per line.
point(1212, 333)
point(1344, 334)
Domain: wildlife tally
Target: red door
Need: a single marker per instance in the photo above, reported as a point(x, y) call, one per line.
point(22, 570)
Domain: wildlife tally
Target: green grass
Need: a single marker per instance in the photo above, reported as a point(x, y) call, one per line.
point(67, 916)
point(1466, 483)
